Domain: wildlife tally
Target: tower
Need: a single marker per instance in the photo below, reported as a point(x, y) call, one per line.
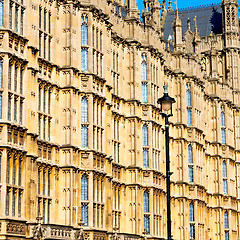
point(231, 42)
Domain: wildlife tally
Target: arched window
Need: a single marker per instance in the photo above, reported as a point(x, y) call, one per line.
point(145, 135)
point(84, 136)
point(84, 188)
point(1, 12)
point(84, 110)
point(223, 125)
point(144, 67)
point(146, 202)
point(222, 116)
point(224, 175)
point(190, 154)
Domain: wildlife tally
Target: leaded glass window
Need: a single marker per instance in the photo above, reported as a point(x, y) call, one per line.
point(226, 221)
point(146, 202)
point(1, 12)
point(147, 224)
point(84, 136)
point(190, 154)
point(84, 188)
point(189, 117)
point(84, 34)
point(190, 173)
point(191, 212)
point(144, 93)
point(84, 59)
point(84, 214)
point(84, 110)
point(145, 158)
point(145, 135)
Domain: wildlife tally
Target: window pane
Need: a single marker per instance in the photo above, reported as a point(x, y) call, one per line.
point(224, 169)
point(1, 12)
point(144, 71)
point(145, 158)
point(222, 119)
point(1, 73)
point(84, 110)
point(191, 212)
point(84, 60)
point(223, 131)
point(84, 136)
point(189, 117)
point(225, 186)
point(144, 92)
point(84, 34)
point(192, 231)
point(145, 135)
point(226, 222)
point(84, 188)
point(147, 224)
point(84, 214)
point(189, 100)
point(190, 154)
point(146, 201)
point(190, 173)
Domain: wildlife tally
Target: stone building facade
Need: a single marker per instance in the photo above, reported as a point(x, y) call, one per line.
point(81, 134)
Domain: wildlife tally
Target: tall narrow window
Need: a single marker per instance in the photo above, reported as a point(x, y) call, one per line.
point(10, 14)
point(39, 181)
point(15, 77)
point(39, 126)
point(0, 167)
point(189, 104)
point(14, 169)
point(0, 105)
point(190, 164)
point(146, 202)
point(9, 107)
point(49, 182)
point(1, 73)
point(40, 43)
point(145, 143)
point(147, 224)
point(223, 125)
point(45, 20)
point(21, 112)
point(1, 12)
point(16, 18)
point(21, 22)
point(7, 201)
point(226, 226)
point(49, 49)
point(49, 101)
point(49, 130)
point(84, 59)
point(224, 175)
point(19, 203)
point(84, 34)
point(144, 67)
point(191, 220)
point(15, 109)
point(20, 172)
point(144, 93)
point(9, 75)
point(84, 136)
point(8, 167)
point(84, 110)
point(44, 46)
point(13, 202)
point(39, 97)
point(84, 188)
point(144, 78)
point(21, 80)
point(40, 17)
point(49, 22)
point(145, 135)
point(84, 214)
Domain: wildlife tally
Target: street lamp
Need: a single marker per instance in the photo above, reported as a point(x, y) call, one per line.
point(166, 111)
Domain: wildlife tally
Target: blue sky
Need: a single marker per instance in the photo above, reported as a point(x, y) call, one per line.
point(184, 3)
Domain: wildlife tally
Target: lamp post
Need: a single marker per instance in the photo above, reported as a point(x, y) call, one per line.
point(166, 111)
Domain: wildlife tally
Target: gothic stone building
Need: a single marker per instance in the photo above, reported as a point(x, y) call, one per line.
point(81, 134)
